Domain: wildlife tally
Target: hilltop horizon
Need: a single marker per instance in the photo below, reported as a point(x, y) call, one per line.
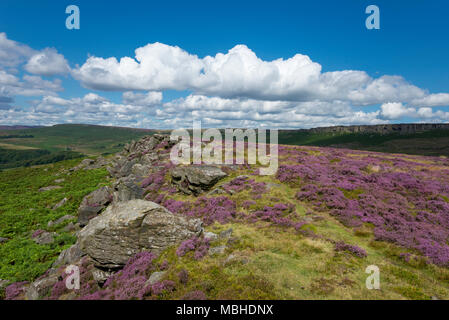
point(21, 127)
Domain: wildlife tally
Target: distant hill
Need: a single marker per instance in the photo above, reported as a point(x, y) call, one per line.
point(37, 145)
point(87, 139)
point(16, 127)
point(419, 139)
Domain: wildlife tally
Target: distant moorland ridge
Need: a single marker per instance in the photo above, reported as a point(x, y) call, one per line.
point(402, 128)
point(19, 127)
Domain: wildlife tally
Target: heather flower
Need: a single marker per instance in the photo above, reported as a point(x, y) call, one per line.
point(355, 250)
point(129, 283)
point(164, 286)
point(14, 290)
point(281, 214)
point(200, 246)
point(248, 203)
point(195, 295)
point(164, 265)
point(183, 276)
point(37, 233)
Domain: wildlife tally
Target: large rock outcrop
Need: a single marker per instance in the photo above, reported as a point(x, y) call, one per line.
point(139, 156)
point(196, 179)
point(126, 228)
point(93, 203)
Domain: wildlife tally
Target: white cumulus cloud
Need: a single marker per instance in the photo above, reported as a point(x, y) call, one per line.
point(239, 73)
point(395, 110)
point(47, 62)
point(13, 53)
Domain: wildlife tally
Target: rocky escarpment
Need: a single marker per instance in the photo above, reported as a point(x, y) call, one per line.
point(403, 128)
point(119, 221)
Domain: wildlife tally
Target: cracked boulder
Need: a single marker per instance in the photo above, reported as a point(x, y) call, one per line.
point(126, 228)
point(196, 179)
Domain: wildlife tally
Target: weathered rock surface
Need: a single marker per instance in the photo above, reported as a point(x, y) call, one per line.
point(226, 234)
point(101, 275)
point(149, 143)
point(140, 170)
point(45, 238)
point(138, 157)
point(89, 164)
point(3, 284)
point(217, 191)
point(83, 163)
point(69, 256)
point(126, 228)
point(60, 203)
point(196, 179)
point(210, 236)
point(2, 240)
point(127, 167)
point(93, 203)
point(71, 227)
point(60, 220)
point(49, 188)
point(155, 277)
point(128, 188)
point(41, 287)
point(217, 250)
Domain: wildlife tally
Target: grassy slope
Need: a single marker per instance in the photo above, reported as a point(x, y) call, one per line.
point(23, 210)
point(87, 139)
point(285, 265)
point(15, 147)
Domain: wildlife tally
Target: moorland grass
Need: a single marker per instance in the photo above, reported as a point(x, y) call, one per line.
point(23, 209)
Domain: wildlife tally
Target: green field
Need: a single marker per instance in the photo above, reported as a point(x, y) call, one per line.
point(34, 146)
point(87, 139)
point(23, 210)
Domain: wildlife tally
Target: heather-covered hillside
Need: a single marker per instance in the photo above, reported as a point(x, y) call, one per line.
point(148, 229)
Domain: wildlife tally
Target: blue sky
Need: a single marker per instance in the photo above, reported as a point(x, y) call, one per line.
point(411, 44)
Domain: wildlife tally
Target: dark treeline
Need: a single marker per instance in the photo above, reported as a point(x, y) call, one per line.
point(10, 158)
point(11, 136)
